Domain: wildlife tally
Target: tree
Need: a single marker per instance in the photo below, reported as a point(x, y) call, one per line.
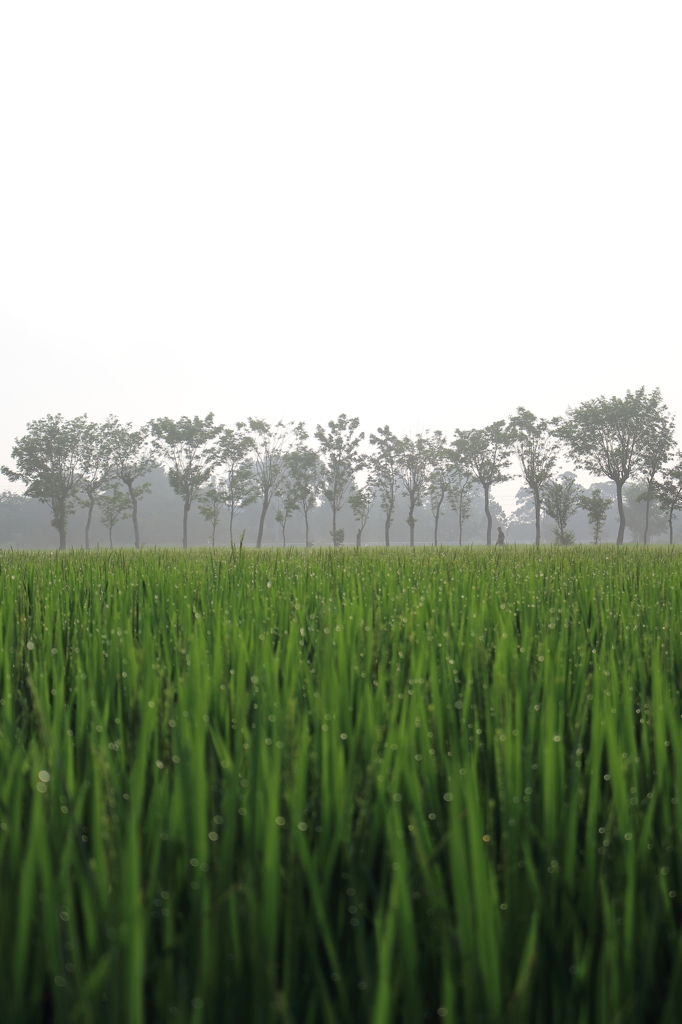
point(211, 503)
point(113, 507)
point(284, 513)
point(609, 437)
point(461, 483)
point(486, 454)
point(237, 485)
point(340, 462)
point(537, 449)
point(95, 468)
point(131, 459)
point(304, 485)
point(269, 446)
point(560, 500)
point(438, 480)
point(656, 449)
point(48, 462)
point(669, 493)
point(361, 502)
point(414, 460)
point(643, 520)
point(597, 508)
point(383, 474)
point(190, 448)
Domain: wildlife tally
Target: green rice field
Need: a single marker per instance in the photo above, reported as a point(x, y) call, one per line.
point(341, 786)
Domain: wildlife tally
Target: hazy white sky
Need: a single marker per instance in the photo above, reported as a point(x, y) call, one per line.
point(421, 213)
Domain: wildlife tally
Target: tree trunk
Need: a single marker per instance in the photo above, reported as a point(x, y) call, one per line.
point(305, 516)
point(263, 513)
point(621, 511)
point(213, 537)
point(111, 539)
point(670, 523)
point(536, 499)
point(387, 527)
point(334, 540)
point(185, 514)
point(62, 538)
point(646, 518)
point(231, 538)
point(486, 494)
point(410, 523)
point(460, 531)
point(358, 538)
point(133, 502)
point(87, 525)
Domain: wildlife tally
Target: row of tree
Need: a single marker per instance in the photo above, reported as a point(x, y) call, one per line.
point(225, 469)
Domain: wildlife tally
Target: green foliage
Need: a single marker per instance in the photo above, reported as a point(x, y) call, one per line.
point(341, 786)
point(486, 454)
point(619, 437)
point(112, 509)
point(597, 508)
point(560, 500)
point(211, 503)
point(536, 446)
point(270, 444)
point(361, 502)
point(191, 450)
point(340, 461)
point(48, 462)
point(383, 473)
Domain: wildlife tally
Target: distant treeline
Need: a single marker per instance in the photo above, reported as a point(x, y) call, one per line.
point(270, 483)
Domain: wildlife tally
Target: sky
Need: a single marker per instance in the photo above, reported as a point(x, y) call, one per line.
point(424, 214)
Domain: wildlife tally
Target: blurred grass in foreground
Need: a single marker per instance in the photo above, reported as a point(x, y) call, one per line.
point(341, 786)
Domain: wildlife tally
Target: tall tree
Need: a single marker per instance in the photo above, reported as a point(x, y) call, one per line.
point(656, 449)
point(361, 502)
point(190, 449)
point(304, 483)
point(270, 444)
point(486, 452)
point(608, 437)
point(536, 446)
point(669, 493)
point(414, 462)
point(95, 469)
point(48, 462)
point(236, 485)
point(338, 448)
point(461, 484)
point(383, 473)
point(131, 460)
point(113, 508)
point(560, 500)
point(438, 481)
point(597, 508)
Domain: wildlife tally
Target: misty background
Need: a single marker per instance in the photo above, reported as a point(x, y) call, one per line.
point(428, 214)
point(25, 523)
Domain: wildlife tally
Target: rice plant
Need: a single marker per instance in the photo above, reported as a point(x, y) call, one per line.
point(341, 786)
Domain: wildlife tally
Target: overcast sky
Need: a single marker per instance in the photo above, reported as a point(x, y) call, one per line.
point(423, 213)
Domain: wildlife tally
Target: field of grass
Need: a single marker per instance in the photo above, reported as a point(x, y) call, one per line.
point(341, 786)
